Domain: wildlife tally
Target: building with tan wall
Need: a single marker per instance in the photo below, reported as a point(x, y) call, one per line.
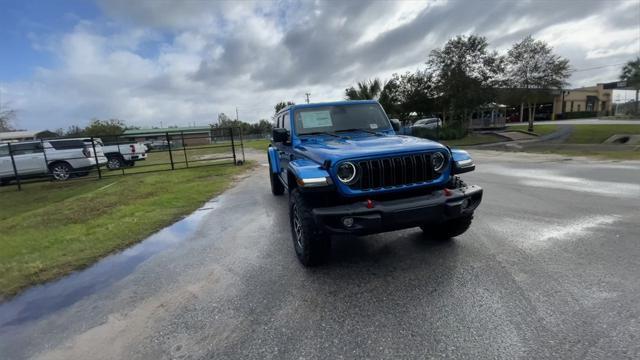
point(596, 99)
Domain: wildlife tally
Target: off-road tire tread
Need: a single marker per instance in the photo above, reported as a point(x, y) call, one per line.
point(317, 244)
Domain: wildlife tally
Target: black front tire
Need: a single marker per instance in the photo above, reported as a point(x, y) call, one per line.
point(312, 245)
point(276, 185)
point(448, 229)
point(115, 162)
point(60, 171)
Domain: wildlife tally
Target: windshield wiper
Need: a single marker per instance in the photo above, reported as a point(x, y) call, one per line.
point(365, 130)
point(323, 133)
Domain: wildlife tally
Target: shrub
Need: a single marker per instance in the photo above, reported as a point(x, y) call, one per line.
point(451, 132)
point(578, 115)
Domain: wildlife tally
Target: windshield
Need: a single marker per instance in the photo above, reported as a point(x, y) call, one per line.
point(342, 117)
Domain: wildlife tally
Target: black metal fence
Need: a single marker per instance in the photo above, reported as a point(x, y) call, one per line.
point(75, 159)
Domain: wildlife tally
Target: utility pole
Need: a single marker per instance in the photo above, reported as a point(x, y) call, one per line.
point(236, 113)
point(307, 94)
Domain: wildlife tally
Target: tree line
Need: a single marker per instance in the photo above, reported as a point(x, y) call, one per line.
point(115, 127)
point(465, 75)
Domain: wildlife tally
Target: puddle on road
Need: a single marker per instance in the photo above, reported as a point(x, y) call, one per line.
point(48, 298)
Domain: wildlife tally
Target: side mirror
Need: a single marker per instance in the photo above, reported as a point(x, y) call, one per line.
point(461, 162)
point(395, 124)
point(280, 135)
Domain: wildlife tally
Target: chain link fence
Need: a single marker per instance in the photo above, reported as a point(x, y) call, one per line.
point(98, 157)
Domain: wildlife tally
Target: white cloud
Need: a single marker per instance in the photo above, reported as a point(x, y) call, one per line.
point(594, 35)
point(150, 61)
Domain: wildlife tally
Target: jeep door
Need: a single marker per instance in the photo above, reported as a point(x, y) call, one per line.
point(285, 151)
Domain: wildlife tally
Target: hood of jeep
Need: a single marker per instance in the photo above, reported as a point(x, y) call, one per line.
point(334, 149)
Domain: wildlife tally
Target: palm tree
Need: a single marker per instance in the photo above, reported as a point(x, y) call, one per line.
point(281, 105)
point(366, 90)
point(631, 74)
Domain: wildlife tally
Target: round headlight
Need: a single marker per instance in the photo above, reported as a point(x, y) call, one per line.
point(438, 161)
point(346, 172)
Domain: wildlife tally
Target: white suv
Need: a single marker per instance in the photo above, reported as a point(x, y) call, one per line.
point(60, 159)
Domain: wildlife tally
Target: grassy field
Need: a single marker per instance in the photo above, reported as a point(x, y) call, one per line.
point(262, 144)
point(50, 229)
point(585, 134)
point(537, 129)
point(596, 134)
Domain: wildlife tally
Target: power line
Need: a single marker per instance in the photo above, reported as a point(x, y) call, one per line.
point(597, 67)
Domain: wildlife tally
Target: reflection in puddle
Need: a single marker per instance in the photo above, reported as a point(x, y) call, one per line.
point(45, 299)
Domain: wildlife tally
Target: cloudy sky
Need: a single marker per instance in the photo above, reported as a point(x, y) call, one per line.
point(183, 62)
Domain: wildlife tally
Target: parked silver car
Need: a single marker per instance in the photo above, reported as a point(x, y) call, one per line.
point(59, 159)
point(431, 123)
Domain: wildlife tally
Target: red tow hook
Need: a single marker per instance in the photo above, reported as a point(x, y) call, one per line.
point(447, 192)
point(369, 204)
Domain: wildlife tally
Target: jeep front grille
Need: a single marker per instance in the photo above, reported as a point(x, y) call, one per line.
point(394, 171)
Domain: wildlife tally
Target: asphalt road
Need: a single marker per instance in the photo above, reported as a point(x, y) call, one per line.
point(549, 269)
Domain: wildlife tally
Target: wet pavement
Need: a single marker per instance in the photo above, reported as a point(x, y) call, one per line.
point(549, 269)
point(45, 299)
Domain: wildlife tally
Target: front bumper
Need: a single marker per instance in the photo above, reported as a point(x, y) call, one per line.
point(401, 213)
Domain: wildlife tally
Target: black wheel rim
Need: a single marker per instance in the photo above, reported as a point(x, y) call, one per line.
point(297, 226)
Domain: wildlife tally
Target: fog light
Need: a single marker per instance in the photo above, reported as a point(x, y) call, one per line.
point(465, 203)
point(347, 222)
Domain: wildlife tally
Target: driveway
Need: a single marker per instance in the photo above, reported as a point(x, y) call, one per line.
point(549, 269)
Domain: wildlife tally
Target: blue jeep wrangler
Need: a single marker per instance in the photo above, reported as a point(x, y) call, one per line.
point(346, 171)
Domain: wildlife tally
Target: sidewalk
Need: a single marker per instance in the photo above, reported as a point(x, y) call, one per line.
point(594, 121)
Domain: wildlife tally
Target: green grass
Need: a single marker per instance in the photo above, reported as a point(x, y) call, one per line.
point(621, 117)
point(473, 139)
point(196, 156)
point(596, 134)
point(50, 229)
point(537, 129)
point(261, 144)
